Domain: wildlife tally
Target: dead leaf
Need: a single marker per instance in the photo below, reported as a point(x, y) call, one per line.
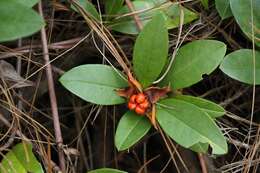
point(71, 151)
point(154, 94)
point(9, 75)
point(134, 87)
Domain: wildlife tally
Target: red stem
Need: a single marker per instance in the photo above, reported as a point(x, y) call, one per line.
point(136, 17)
point(52, 95)
point(202, 163)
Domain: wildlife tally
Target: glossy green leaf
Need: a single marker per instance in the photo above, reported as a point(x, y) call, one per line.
point(94, 83)
point(239, 65)
point(194, 60)
point(171, 15)
point(106, 170)
point(242, 11)
point(223, 8)
point(131, 129)
point(212, 109)
point(28, 3)
point(200, 147)
point(17, 20)
point(205, 3)
point(113, 6)
point(89, 7)
point(150, 51)
point(21, 160)
point(189, 125)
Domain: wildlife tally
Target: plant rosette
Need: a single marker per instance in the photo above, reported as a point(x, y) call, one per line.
point(188, 120)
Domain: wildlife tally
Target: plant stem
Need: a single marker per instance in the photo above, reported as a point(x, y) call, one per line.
point(52, 95)
point(136, 17)
point(202, 163)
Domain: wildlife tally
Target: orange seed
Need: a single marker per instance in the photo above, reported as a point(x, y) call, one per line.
point(140, 98)
point(131, 106)
point(132, 98)
point(139, 110)
point(144, 105)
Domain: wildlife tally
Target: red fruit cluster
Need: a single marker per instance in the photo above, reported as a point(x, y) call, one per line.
point(139, 103)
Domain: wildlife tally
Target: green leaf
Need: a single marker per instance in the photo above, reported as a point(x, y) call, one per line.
point(20, 159)
point(239, 65)
point(150, 51)
point(89, 7)
point(131, 129)
point(113, 6)
point(11, 164)
point(223, 8)
point(189, 125)
point(194, 60)
point(95, 83)
point(241, 10)
point(17, 20)
point(29, 3)
point(205, 3)
point(159, 2)
point(200, 147)
point(106, 170)
point(171, 15)
point(212, 109)
point(127, 24)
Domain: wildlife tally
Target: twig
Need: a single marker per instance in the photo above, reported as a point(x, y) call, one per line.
point(80, 142)
point(229, 39)
point(19, 51)
point(19, 69)
point(10, 141)
point(168, 148)
point(145, 157)
point(142, 169)
point(202, 163)
point(136, 17)
point(166, 165)
point(52, 95)
point(234, 97)
point(238, 143)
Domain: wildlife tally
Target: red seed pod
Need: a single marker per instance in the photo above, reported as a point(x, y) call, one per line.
point(144, 105)
point(140, 110)
point(140, 98)
point(131, 105)
point(132, 98)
